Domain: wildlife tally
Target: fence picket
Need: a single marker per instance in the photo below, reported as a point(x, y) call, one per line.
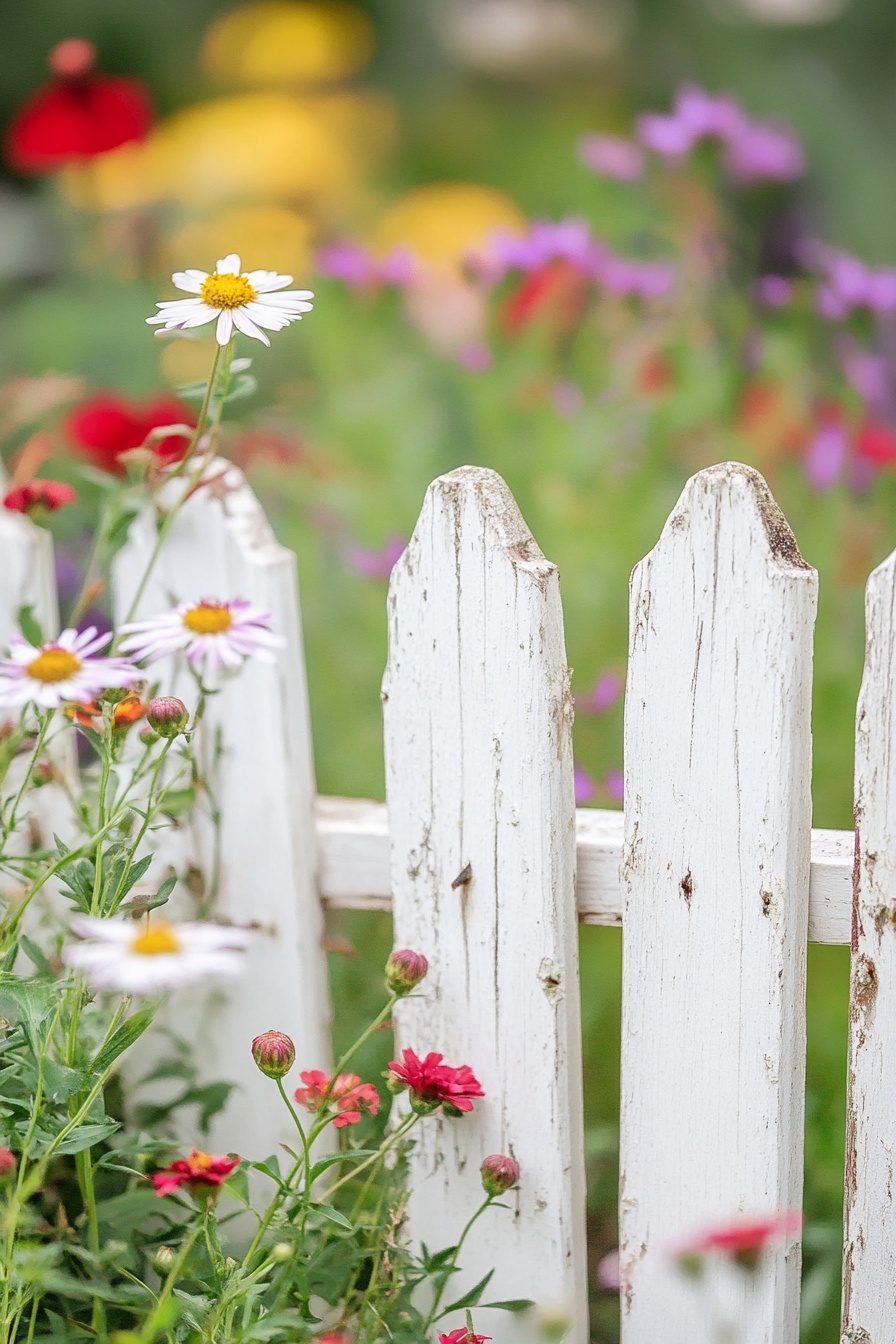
point(221, 546)
point(479, 772)
point(869, 1258)
point(715, 879)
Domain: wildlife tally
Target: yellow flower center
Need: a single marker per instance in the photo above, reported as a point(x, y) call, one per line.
point(156, 940)
point(226, 291)
point(204, 1161)
point(53, 664)
point(207, 619)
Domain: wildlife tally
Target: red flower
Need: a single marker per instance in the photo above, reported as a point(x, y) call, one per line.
point(463, 1336)
point(39, 496)
point(348, 1094)
point(199, 1171)
point(108, 425)
point(744, 1239)
point(555, 292)
point(78, 115)
point(876, 443)
point(433, 1084)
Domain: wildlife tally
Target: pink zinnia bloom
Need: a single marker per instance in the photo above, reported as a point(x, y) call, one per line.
point(744, 1239)
point(612, 156)
point(200, 1172)
point(39, 496)
point(433, 1084)
point(348, 1094)
point(463, 1336)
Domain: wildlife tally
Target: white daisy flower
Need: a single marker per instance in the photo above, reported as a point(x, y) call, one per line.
point(151, 956)
point(214, 635)
point(246, 300)
point(67, 668)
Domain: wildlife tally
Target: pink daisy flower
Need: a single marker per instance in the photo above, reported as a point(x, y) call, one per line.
point(214, 635)
point(63, 669)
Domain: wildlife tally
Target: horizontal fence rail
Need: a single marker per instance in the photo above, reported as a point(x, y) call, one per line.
point(353, 852)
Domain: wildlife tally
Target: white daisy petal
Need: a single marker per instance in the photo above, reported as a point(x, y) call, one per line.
point(149, 958)
point(244, 323)
point(224, 329)
point(191, 283)
point(263, 282)
point(229, 265)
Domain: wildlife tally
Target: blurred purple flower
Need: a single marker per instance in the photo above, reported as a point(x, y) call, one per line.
point(623, 276)
point(848, 283)
point(760, 151)
point(585, 786)
point(475, 357)
point(608, 1272)
point(614, 782)
point(607, 690)
point(568, 399)
point(826, 454)
point(612, 156)
point(868, 374)
point(356, 265)
point(566, 240)
point(378, 564)
point(775, 291)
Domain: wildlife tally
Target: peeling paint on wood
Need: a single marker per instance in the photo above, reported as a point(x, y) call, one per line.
point(479, 772)
point(718, 758)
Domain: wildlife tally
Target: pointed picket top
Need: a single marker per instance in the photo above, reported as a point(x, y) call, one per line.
point(256, 735)
point(482, 828)
point(869, 1262)
point(715, 889)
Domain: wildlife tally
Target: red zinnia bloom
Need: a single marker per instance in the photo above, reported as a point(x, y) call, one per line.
point(433, 1084)
point(876, 443)
point(199, 1171)
point(348, 1094)
point(555, 292)
point(463, 1336)
point(78, 115)
point(108, 425)
point(743, 1239)
point(39, 496)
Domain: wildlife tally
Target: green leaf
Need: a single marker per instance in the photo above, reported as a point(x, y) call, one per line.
point(36, 956)
point(470, 1298)
point(123, 1039)
point(333, 1216)
point(30, 626)
point(512, 1304)
point(353, 1155)
point(62, 1082)
point(30, 1003)
point(85, 1136)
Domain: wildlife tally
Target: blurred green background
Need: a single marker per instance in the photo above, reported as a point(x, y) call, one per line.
point(360, 406)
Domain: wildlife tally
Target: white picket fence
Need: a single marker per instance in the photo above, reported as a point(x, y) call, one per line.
point(714, 872)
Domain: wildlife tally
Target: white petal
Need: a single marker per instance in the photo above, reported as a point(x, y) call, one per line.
point(224, 329)
point(266, 317)
point(191, 281)
point(229, 265)
point(245, 324)
point(266, 281)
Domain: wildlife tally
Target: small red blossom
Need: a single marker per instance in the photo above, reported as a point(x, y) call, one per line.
point(555, 293)
point(463, 1336)
point(876, 443)
point(348, 1094)
point(201, 1172)
point(127, 711)
point(78, 115)
point(8, 1162)
point(743, 1239)
point(38, 497)
point(108, 425)
point(433, 1084)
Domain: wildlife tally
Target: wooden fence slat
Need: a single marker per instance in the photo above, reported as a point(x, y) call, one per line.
point(716, 882)
point(479, 771)
point(221, 546)
point(869, 1259)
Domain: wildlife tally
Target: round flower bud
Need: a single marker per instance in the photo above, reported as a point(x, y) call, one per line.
point(282, 1252)
point(274, 1053)
point(499, 1174)
point(163, 1259)
point(7, 1163)
point(404, 971)
point(167, 715)
point(113, 695)
point(394, 1084)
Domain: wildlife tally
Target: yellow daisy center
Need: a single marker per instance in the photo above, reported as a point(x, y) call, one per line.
point(207, 619)
point(53, 664)
point(156, 940)
point(226, 291)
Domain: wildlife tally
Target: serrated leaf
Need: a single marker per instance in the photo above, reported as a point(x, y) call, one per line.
point(122, 1039)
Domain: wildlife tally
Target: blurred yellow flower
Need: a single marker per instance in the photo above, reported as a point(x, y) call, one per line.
point(288, 42)
point(272, 234)
point(446, 221)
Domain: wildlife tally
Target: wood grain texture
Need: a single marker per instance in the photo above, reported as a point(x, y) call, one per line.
point(353, 845)
point(716, 883)
point(869, 1259)
point(479, 771)
point(222, 547)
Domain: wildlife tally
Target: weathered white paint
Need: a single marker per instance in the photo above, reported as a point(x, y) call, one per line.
point(869, 1260)
point(353, 845)
point(716, 885)
point(479, 771)
point(221, 546)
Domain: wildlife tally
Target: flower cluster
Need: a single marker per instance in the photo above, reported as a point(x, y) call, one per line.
point(571, 241)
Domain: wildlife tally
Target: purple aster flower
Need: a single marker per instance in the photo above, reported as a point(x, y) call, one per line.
point(357, 266)
point(612, 156)
point(775, 291)
point(614, 783)
point(378, 564)
point(623, 276)
point(567, 240)
point(760, 151)
point(215, 636)
point(607, 690)
point(826, 455)
point(585, 785)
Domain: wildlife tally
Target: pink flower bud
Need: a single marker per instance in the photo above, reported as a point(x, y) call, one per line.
point(274, 1053)
point(404, 971)
point(167, 715)
point(7, 1163)
point(499, 1174)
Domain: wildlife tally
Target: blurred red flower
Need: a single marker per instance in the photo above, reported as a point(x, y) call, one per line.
point(463, 1336)
point(77, 115)
point(433, 1084)
point(743, 1239)
point(200, 1171)
point(555, 293)
point(39, 496)
point(876, 443)
point(347, 1093)
point(108, 425)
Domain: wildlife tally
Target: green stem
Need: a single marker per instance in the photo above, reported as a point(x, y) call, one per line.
point(443, 1283)
point(29, 773)
point(150, 1325)
point(404, 1128)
